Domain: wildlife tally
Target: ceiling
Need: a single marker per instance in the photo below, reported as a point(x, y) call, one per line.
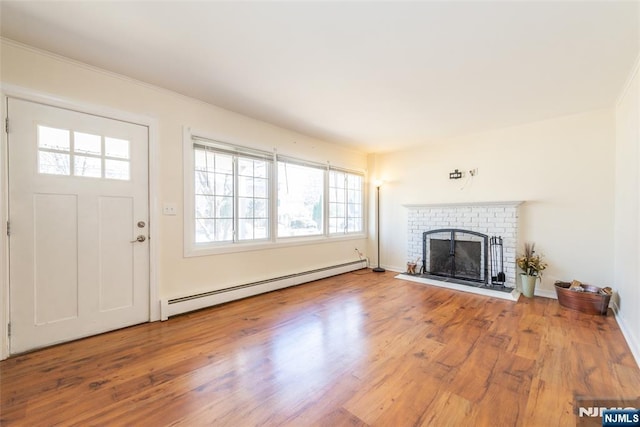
point(376, 76)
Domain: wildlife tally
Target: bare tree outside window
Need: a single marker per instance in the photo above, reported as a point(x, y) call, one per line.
point(231, 197)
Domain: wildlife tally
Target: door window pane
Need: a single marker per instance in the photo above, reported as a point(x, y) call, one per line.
point(82, 156)
point(87, 144)
point(114, 147)
point(87, 166)
point(53, 163)
point(54, 139)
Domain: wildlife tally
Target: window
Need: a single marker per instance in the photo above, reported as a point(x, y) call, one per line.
point(253, 199)
point(231, 192)
point(65, 152)
point(345, 202)
point(300, 199)
point(238, 198)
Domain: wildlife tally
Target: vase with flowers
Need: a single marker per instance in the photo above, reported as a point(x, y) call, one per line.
point(532, 265)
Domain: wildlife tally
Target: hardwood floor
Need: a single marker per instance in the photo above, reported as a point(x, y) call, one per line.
point(358, 349)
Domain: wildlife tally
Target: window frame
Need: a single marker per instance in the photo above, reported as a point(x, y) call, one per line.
point(225, 143)
point(237, 154)
point(312, 165)
point(346, 189)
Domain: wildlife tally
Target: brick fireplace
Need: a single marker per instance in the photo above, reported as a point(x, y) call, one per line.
point(494, 219)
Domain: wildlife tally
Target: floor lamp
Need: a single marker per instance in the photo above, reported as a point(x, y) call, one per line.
point(378, 184)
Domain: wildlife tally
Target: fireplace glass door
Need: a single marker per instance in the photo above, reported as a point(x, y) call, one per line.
point(457, 254)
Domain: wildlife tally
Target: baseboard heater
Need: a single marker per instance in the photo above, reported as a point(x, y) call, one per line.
point(175, 306)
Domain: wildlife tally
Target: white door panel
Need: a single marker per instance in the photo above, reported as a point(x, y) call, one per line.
point(115, 216)
point(78, 186)
point(55, 271)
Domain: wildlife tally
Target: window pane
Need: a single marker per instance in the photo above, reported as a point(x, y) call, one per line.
point(300, 200)
point(245, 186)
point(354, 196)
point(245, 167)
point(332, 179)
point(205, 230)
point(260, 169)
point(87, 144)
point(260, 208)
point(354, 182)
point(54, 139)
point(87, 166)
point(224, 207)
point(116, 169)
point(332, 210)
point(345, 202)
point(260, 188)
point(53, 163)
point(224, 184)
point(224, 230)
point(205, 206)
point(260, 229)
point(204, 183)
point(114, 147)
point(223, 163)
point(245, 207)
point(246, 229)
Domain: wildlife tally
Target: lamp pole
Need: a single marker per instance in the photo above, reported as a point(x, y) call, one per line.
point(378, 269)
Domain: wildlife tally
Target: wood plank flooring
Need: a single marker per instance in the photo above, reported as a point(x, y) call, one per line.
point(360, 349)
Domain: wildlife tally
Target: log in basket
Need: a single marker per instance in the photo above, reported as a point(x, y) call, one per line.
point(591, 301)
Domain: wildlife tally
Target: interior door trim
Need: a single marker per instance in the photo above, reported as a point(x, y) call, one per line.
point(152, 124)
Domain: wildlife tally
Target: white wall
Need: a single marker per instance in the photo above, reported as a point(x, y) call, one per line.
point(179, 276)
point(563, 169)
point(627, 239)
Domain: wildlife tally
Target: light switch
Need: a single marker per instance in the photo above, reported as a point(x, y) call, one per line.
point(169, 209)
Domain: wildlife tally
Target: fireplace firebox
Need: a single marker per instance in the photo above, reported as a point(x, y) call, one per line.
point(457, 254)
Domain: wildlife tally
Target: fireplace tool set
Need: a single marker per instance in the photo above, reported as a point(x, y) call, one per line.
point(497, 261)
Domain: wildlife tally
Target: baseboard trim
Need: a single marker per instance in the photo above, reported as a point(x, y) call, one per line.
point(633, 344)
point(185, 304)
point(545, 293)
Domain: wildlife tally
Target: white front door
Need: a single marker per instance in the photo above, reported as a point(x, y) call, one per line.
point(78, 204)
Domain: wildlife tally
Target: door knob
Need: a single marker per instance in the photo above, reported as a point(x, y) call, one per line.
point(140, 238)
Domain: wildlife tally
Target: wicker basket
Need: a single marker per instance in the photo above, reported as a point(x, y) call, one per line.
point(591, 301)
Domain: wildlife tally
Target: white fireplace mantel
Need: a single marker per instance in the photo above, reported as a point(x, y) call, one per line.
point(510, 203)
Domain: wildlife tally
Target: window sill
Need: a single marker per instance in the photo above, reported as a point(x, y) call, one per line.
point(196, 251)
